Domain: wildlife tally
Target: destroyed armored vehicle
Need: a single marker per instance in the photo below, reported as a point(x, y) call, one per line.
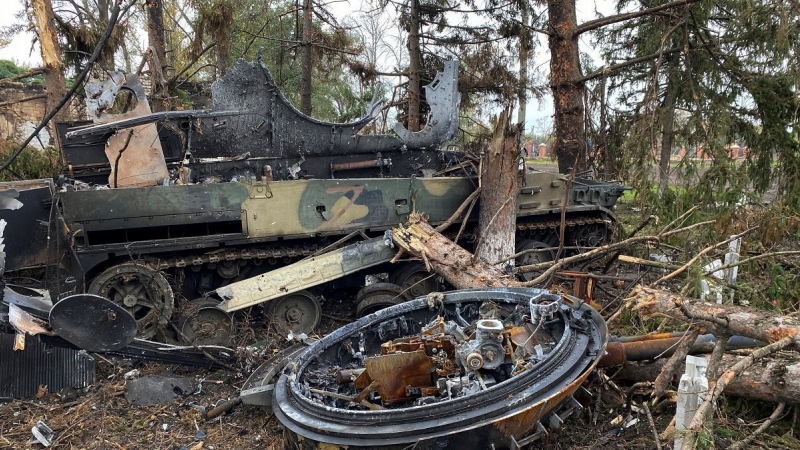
point(253, 201)
point(497, 368)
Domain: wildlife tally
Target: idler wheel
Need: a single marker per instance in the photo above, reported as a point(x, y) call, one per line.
point(534, 257)
point(205, 324)
point(299, 312)
point(143, 292)
point(414, 280)
point(378, 296)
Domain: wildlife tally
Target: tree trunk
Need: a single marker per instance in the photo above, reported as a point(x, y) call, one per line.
point(306, 66)
point(569, 143)
point(158, 67)
point(499, 171)
point(524, 55)
point(414, 68)
point(51, 59)
point(458, 266)
point(668, 125)
point(770, 380)
point(724, 320)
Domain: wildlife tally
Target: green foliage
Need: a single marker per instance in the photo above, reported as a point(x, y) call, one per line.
point(32, 163)
point(10, 69)
point(732, 85)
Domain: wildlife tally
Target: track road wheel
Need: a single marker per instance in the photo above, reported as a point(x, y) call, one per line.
point(534, 257)
point(142, 291)
point(378, 296)
point(205, 324)
point(415, 280)
point(299, 312)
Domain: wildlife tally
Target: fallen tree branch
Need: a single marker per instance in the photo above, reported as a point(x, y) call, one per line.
point(705, 409)
point(667, 374)
point(725, 319)
point(751, 259)
point(767, 423)
point(680, 219)
point(699, 255)
point(22, 100)
point(774, 380)
point(444, 257)
point(466, 203)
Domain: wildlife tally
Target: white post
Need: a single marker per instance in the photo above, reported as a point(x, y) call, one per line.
point(732, 257)
point(692, 384)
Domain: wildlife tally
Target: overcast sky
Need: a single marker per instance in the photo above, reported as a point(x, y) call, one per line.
point(539, 113)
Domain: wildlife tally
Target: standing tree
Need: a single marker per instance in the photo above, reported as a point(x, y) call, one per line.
point(158, 55)
point(55, 84)
point(567, 82)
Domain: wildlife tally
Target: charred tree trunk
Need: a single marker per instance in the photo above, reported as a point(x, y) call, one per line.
point(414, 68)
point(565, 70)
point(500, 176)
point(158, 55)
point(306, 66)
point(51, 57)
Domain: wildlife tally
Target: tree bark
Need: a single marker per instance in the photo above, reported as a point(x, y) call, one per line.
point(569, 143)
point(524, 55)
point(667, 127)
point(54, 82)
point(724, 320)
point(772, 380)
point(458, 266)
point(306, 66)
point(158, 68)
point(414, 68)
point(500, 170)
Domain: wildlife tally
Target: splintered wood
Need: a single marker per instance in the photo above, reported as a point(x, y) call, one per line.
point(459, 267)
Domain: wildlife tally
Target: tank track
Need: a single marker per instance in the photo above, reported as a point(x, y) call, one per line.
point(302, 251)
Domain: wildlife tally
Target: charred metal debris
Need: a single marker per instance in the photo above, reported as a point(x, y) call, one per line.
point(493, 367)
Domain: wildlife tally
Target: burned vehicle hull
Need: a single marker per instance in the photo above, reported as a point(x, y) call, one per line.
point(252, 186)
point(522, 403)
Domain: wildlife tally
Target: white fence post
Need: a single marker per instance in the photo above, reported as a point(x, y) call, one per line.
point(693, 383)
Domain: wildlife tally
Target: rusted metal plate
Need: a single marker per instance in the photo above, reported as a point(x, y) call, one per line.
point(135, 154)
point(395, 372)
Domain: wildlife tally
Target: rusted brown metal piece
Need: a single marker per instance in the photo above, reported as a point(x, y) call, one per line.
point(584, 283)
point(397, 373)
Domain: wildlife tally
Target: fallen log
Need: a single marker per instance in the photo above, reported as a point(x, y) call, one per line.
point(722, 320)
point(774, 380)
point(459, 267)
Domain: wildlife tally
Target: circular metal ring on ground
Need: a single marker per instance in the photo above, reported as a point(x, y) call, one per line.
point(299, 312)
point(144, 293)
point(93, 323)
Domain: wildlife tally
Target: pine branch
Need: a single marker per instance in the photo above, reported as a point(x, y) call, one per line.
point(599, 23)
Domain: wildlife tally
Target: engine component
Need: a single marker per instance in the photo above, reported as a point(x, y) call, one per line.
point(486, 350)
